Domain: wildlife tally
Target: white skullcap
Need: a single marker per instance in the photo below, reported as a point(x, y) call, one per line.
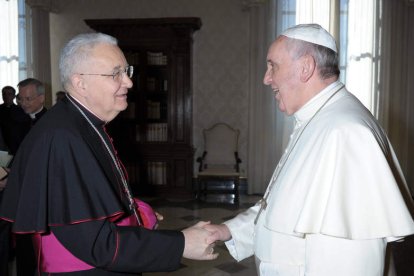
point(312, 33)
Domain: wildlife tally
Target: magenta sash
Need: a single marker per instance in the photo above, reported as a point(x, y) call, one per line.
point(53, 257)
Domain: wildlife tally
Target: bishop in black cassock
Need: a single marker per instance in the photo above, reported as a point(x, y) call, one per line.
point(64, 157)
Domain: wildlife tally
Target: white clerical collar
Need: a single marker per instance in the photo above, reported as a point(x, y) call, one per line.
point(33, 115)
point(309, 109)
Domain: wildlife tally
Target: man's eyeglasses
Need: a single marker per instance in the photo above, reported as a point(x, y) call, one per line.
point(26, 99)
point(118, 74)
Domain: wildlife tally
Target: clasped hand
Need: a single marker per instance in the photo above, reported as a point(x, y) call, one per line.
point(201, 238)
point(199, 243)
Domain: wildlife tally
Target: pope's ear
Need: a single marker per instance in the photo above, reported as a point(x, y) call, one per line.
point(78, 83)
point(308, 67)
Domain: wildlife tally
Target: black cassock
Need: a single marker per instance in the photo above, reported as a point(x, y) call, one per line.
point(63, 180)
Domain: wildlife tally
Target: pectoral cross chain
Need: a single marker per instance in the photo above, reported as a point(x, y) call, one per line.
point(263, 205)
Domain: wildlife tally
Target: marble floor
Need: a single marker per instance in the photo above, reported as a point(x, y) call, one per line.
point(179, 213)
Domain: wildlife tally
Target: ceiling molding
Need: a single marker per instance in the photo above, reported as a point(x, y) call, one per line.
point(47, 5)
point(247, 4)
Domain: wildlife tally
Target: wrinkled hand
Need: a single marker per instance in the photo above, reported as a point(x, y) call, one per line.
point(196, 245)
point(159, 216)
point(220, 232)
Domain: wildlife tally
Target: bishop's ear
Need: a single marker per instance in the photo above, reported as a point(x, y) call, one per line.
point(78, 83)
point(308, 67)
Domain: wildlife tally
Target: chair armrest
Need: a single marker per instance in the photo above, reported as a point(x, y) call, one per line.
point(200, 160)
point(236, 155)
point(238, 161)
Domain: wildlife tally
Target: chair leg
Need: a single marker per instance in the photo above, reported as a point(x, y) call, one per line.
point(236, 190)
point(196, 190)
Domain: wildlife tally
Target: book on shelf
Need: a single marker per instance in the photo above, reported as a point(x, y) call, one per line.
point(157, 85)
point(132, 58)
point(153, 110)
point(157, 132)
point(156, 58)
point(157, 173)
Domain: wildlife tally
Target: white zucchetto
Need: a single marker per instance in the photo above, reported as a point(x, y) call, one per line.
point(312, 33)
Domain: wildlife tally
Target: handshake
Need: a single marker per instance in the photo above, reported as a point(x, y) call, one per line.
point(201, 238)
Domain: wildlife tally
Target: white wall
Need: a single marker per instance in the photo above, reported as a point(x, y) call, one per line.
point(220, 69)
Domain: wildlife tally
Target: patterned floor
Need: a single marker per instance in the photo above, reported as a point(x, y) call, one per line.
point(179, 214)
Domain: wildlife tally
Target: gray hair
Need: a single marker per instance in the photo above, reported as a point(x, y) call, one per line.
point(78, 50)
point(327, 61)
point(40, 88)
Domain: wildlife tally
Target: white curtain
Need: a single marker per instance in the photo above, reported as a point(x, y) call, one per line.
point(362, 43)
point(269, 129)
point(379, 70)
point(322, 12)
point(313, 11)
point(39, 44)
point(362, 46)
point(9, 61)
point(261, 155)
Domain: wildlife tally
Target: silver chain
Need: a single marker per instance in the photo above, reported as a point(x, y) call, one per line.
point(117, 166)
point(263, 201)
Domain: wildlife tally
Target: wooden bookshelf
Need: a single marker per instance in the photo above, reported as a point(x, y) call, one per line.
point(154, 135)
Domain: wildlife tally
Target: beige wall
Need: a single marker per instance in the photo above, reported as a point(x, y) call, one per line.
point(220, 72)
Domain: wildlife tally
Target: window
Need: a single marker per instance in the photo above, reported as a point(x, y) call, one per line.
point(24, 19)
point(343, 37)
point(358, 39)
point(9, 43)
point(13, 65)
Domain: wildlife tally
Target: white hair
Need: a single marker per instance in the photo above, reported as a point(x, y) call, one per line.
point(77, 51)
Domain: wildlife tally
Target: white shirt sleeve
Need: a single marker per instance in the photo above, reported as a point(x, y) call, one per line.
point(242, 231)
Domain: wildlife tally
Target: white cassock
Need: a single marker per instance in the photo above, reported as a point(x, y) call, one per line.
point(336, 198)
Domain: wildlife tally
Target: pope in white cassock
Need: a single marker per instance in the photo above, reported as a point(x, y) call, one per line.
point(337, 196)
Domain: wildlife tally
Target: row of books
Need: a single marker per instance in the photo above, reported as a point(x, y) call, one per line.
point(157, 173)
point(132, 58)
point(156, 132)
point(156, 58)
point(154, 84)
point(153, 58)
point(155, 110)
